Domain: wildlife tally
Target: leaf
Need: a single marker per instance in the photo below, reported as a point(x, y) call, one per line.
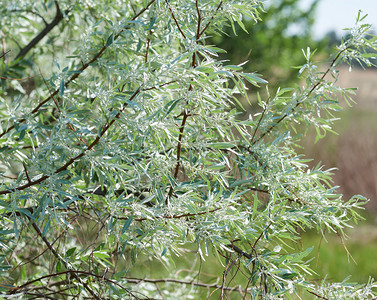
point(61, 88)
point(110, 40)
point(221, 145)
point(58, 266)
point(46, 228)
point(70, 251)
point(126, 224)
point(253, 78)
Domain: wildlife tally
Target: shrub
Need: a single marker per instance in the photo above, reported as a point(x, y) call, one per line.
point(120, 147)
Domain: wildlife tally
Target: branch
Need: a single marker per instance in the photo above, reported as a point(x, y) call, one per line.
point(185, 282)
point(74, 274)
point(32, 12)
point(318, 296)
point(175, 216)
point(210, 21)
point(43, 33)
point(175, 20)
point(225, 273)
point(57, 256)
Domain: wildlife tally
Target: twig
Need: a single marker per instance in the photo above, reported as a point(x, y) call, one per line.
point(225, 273)
point(185, 282)
point(32, 12)
point(318, 296)
point(57, 106)
point(175, 20)
point(260, 120)
point(57, 256)
point(74, 274)
point(177, 216)
point(210, 21)
point(26, 172)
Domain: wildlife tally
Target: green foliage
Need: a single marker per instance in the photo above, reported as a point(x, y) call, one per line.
point(119, 146)
point(273, 46)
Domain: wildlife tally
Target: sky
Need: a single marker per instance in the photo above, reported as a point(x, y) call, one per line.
point(339, 14)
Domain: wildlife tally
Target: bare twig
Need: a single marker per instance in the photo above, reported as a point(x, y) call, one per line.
point(225, 273)
point(57, 256)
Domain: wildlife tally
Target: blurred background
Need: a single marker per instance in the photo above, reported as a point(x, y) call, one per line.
point(273, 48)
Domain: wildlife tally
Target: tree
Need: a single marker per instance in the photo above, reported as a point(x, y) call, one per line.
point(273, 46)
point(120, 149)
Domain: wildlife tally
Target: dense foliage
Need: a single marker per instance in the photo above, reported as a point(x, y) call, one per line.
point(120, 148)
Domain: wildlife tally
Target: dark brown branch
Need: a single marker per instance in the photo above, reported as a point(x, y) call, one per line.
point(58, 17)
point(199, 21)
point(179, 148)
point(240, 251)
point(225, 274)
point(32, 12)
point(259, 121)
point(175, 20)
point(26, 172)
point(4, 53)
point(73, 273)
point(260, 236)
point(318, 296)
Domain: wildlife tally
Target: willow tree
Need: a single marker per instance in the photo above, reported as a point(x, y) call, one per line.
point(121, 152)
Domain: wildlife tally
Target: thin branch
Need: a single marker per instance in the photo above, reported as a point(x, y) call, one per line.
point(260, 236)
point(179, 147)
point(175, 20)
point(57, 106)
point(318, 296)
point(57, 256)
point(199, 21)
point(32, 12)
point(185, 282)
point(225, 274)
point(4, 52)
point(176, 216)
point(210, 21)
point(26, 172)
point(260, 120)
point(74, 274)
